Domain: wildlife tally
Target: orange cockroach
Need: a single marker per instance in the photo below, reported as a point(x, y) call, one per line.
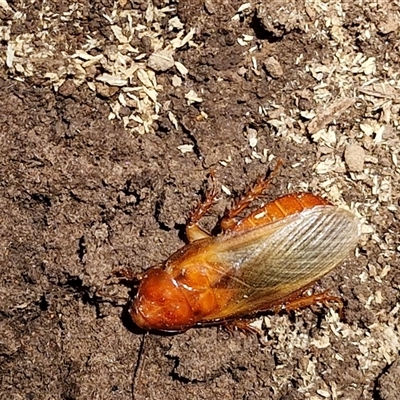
point(264, 261)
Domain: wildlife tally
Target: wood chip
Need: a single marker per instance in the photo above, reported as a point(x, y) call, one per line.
point(328, 115)
point(162, 60)
point(112, 80)
point(186, 148)
point(192, 97)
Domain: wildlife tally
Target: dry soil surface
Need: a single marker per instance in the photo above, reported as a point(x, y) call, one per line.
point(112, 114)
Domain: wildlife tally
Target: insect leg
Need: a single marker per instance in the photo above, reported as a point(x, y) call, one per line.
point(193, 230)
point(306, 301)
point(248, 197)
point(240, 325)
point(128, 274)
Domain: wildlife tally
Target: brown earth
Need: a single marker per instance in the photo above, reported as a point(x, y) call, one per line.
point(85, 193)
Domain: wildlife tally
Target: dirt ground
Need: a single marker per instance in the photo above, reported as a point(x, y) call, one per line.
point(113, 113)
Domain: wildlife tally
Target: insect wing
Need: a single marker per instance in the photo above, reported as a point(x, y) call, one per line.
point(275, 260)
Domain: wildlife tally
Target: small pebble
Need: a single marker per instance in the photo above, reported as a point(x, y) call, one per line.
point(273, 67)
point(354, 156)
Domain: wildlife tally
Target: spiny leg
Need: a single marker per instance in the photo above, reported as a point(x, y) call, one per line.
point(317, 298)
point(240, 325)
point(296, 303)
point(193, 230)
point(128, 274)
point(248, 197)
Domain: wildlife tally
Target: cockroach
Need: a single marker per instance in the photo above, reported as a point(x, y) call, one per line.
point(264, 261)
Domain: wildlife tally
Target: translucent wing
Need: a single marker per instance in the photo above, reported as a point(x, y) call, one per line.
point(273, 261)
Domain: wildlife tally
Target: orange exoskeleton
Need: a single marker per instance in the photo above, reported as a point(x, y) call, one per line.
point(264, 261)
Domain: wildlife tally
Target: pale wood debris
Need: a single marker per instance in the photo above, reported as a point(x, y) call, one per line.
point(325, 117)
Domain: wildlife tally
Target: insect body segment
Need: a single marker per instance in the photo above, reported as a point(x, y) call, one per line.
point(280, 208)
point(261, 262)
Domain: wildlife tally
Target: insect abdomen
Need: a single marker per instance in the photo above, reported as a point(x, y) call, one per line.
point(280, 208)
